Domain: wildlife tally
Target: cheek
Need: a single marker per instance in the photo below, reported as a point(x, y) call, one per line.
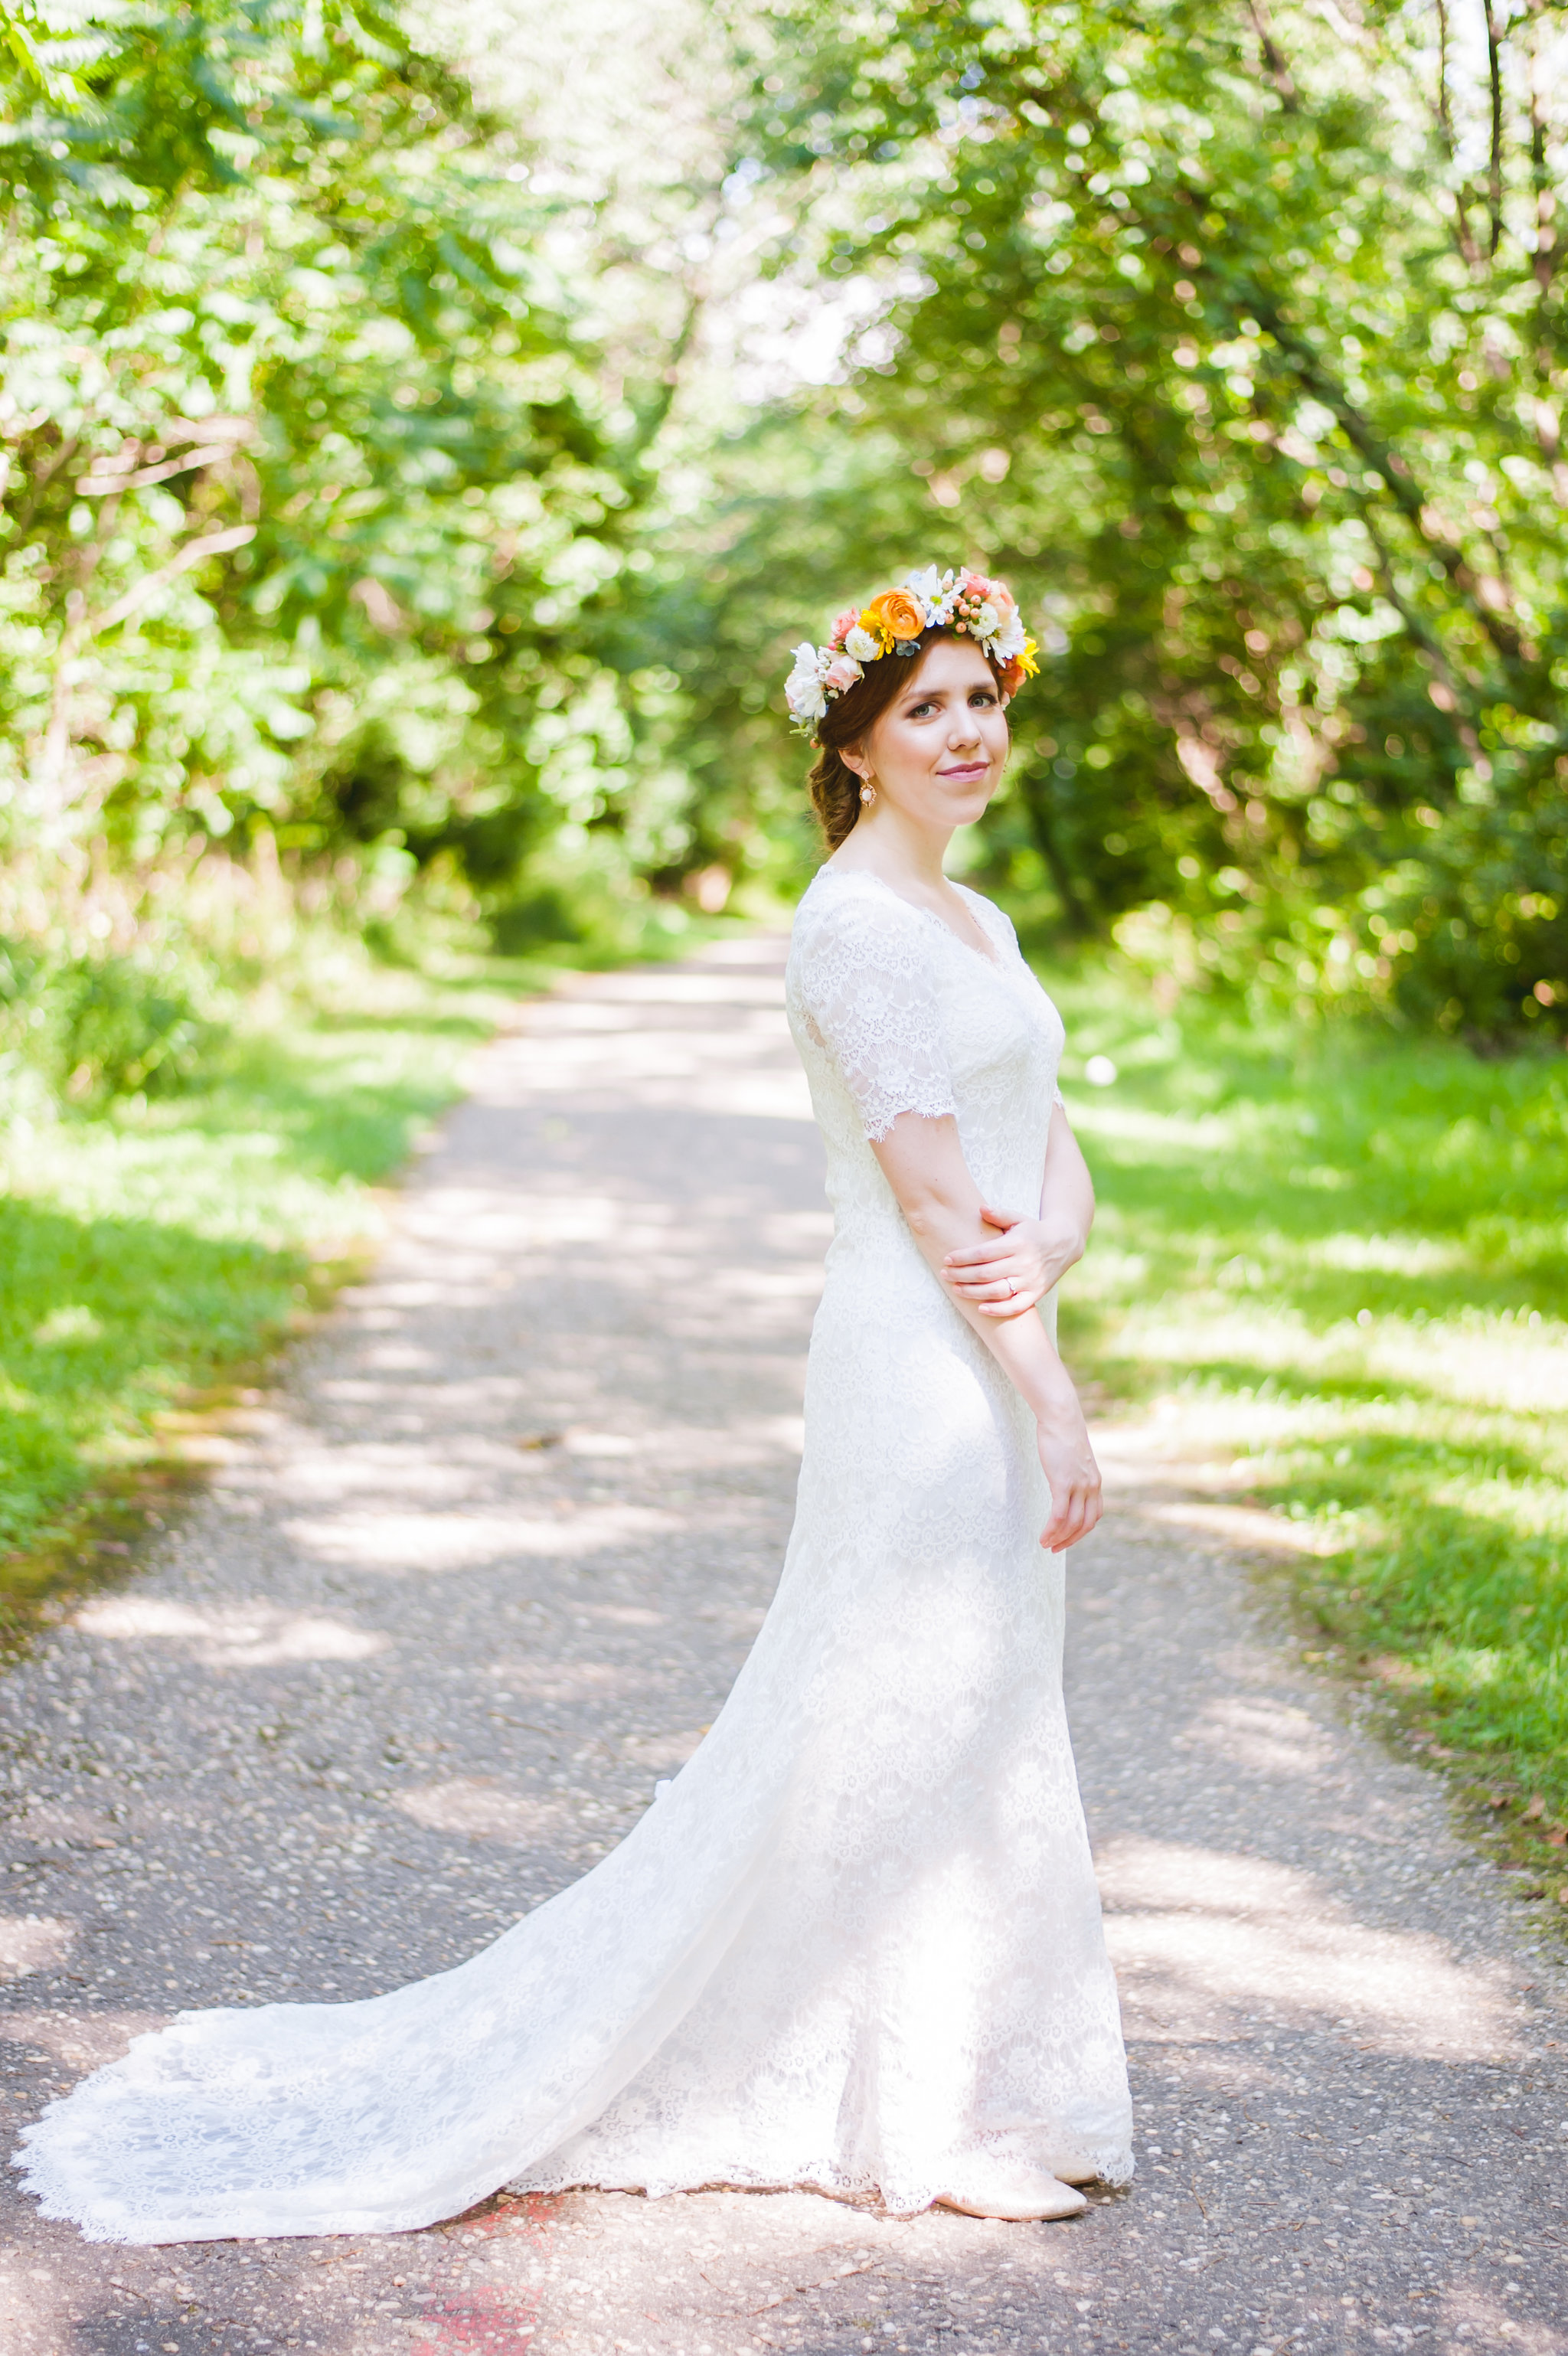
point(906, 746)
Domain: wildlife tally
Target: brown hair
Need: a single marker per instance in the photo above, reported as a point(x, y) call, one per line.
point(834, 789)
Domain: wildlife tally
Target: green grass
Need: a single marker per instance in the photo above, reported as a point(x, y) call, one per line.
point(1342, 1256)
point(153, 1246)
point(1345, 1257)
point(147, 1254)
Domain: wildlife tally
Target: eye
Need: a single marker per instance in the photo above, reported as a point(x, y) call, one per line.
point(982, 695)
point(916, 708)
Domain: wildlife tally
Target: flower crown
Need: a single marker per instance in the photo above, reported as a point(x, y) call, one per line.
point(893, 623)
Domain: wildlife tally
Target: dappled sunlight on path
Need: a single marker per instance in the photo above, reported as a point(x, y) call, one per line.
point(1209, 1943)
point(481, 1571)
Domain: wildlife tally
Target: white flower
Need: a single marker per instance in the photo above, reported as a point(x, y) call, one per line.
point(927, 585)
point(802, 688)
point(861, 647)
point(1009, 640)
point(987, 621)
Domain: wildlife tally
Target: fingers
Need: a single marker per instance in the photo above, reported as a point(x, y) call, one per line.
point(997, 1296)
point(990, 1248)
point(1013, 1306)
point(1000, 1218)
point(985, 1283)
point(1081, 1508)
point(977, 1256)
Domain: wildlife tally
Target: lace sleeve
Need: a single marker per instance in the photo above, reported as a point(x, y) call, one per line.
point(866, 989)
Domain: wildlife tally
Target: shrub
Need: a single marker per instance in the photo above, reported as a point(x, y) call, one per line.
point(95, 1028)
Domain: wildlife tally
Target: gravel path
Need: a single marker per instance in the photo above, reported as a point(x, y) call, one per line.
point(483, 1567)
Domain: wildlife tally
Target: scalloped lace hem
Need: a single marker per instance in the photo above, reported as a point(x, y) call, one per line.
point(1115, 2169)
point(145, 2232)
point(97, 2224)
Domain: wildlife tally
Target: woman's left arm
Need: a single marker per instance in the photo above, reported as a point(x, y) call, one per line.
point(1017, 1267)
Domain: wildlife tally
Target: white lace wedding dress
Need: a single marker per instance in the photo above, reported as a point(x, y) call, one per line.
point(858, 1937)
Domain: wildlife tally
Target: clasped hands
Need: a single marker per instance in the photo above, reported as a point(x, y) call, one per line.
point(1013, 1269)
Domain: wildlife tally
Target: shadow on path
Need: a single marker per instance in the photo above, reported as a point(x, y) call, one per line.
point(484, 1566)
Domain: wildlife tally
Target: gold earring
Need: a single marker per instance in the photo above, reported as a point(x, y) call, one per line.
point(868, 794)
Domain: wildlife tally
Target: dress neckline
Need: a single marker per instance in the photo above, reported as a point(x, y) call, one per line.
point(985, 955)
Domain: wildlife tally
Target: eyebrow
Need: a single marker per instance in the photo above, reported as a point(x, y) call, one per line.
point(913, 695)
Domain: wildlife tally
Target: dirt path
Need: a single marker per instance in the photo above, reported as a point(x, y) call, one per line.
point(485, 1567)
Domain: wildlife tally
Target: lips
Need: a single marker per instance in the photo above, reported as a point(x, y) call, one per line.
point(968, 770)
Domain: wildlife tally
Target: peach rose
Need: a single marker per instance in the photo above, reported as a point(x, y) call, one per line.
point(989, 593)
point(896, 613)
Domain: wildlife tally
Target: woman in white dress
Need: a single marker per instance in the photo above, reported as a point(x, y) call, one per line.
point(856, 1942)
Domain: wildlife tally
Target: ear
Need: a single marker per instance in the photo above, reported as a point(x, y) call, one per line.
point(854, 759)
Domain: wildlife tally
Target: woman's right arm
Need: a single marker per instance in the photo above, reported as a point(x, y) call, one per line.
point(1020, 1262)
point(923, 1160)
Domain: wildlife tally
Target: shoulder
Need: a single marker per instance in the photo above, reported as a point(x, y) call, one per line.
point(991, 919)
point(846, 908)
point(856, 942)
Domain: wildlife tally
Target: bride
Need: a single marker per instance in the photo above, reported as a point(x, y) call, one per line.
point(855, 1944)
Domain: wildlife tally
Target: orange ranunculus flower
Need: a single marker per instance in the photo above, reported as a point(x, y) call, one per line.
point(894, 614)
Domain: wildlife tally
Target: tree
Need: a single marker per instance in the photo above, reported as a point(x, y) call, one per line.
point(1241, 341)
point(309, 484)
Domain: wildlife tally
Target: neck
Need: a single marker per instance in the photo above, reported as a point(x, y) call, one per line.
point(896, 848)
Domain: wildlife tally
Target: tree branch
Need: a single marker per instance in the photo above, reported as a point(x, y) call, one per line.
point(1548, 239)
point(1445, 112)
point(1485, 599)
point(1427, 640)
point(1273, 58)
point(1469, 252)
point(1062, 876)
point(1396, 473)
point(215, 544)
point(1495, 168)
point(1544, 413)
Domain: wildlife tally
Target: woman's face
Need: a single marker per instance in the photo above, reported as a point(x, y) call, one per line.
point(937, 753)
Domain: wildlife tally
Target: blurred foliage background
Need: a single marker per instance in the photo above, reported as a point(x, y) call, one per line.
point(424, 441)
point(1237, 341)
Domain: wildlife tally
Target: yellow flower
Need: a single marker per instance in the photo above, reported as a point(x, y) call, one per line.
point(894, 615)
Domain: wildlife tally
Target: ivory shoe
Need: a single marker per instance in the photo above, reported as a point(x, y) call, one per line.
point(1014, 2193)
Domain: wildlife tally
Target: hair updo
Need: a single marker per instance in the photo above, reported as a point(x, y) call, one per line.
point(834, 789)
